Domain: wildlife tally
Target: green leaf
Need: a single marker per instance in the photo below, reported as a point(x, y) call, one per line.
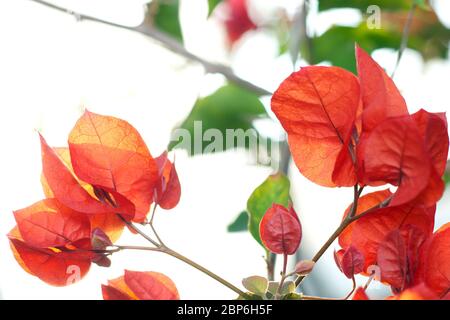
point(275, 189)
point(446, 177)
point(167, 18)
point(273, 287)
point(212, 4)
point(337, 44)
point(363, 4)
point(288, 287)
point(292, 296)
point(256, 284)
point(240, 223)
point(216, 120)
point(251, 296)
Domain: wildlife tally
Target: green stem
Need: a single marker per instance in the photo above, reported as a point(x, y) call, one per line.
point(195, 265)
point(344, 224)
point(270, 261)
point(325, 246)
point(353, 288)
point(159, 247)
point(349, 219)
point(283, 277)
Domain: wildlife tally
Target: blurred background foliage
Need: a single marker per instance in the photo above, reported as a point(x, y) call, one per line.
point(232, 106)
point(236, 108)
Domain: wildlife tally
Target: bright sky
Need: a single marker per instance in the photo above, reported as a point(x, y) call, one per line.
point(51, 66)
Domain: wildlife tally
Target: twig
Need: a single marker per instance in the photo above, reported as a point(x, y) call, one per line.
point(309, 57)
point(160, 247)
point(283, 277)
point(349, 219)
point(205, 271)
point(405, 36)
point(137, 230)
point(150, 223)
point(169, 43)
point(369, 281)
point(270, 260)
point(136, 248)
point(353, 288)
point(170, 252)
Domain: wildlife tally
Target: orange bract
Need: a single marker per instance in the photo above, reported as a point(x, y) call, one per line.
point(368, 232)
point(394, 154)
point(52, 242)
point(110, 154)
point(106, 175)
point(360, 294)
point(136, 285)
point(168, 189)
point(419, 292)
point(380, 96)
point(57, 268)
point(59, 182)
point(435, 269)
point(366, 202)
point(49, 224)
point(317, 107)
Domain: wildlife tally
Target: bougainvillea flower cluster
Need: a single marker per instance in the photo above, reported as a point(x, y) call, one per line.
point(346, 130)
point(104, 179)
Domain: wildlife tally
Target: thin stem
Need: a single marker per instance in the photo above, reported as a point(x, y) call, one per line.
point(153, 214)
point(270, 261)
point(283, 277)
point(204, 270)
point(351, 217)
point(156, 234)
point(369, 281)
point(405, 36)
point(369, 211)
point(353, 288)
point(160, 247)
point(325, 246)
point(171, 44)
point(137, 230)
point(152, 226)
point(138, 248)
point(344, 224)
point(356, 194)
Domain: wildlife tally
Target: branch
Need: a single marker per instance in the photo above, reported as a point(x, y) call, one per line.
point(405, 36)
point(170, 252)
point(169, 43)
point(160, 247)
point(349, 219)
point(283, 277)
point(353, 288)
